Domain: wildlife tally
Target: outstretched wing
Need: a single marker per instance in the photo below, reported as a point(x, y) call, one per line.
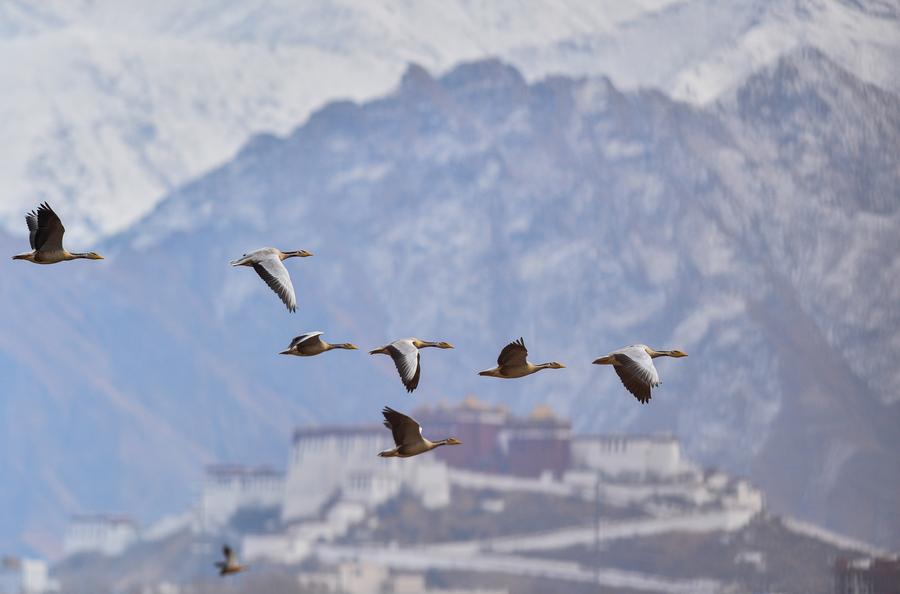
point(228, 553)
point(272, 270)
point(638, 374)
point(47, 235)
point(32, 222)
point(406, 358)
point(308, 336)
point(513, 354)
point(406, 430)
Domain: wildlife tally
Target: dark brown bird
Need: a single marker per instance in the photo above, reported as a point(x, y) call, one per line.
point(513, 362)
point(230, 565)
point(408, 436)
point(45, 234)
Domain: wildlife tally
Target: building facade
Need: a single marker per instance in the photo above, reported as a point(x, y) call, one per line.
point(109, 534)
point(867, 576)
point(629, 455)
point(227, 488)
point(25, 576)
point(341, 463)
point(496, 441)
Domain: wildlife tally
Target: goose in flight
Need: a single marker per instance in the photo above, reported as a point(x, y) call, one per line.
point(512, 362)
point(634, 364)
point(311, 343)
point(45, 233)
point(230, 564)
point(267, 262)
point(408, 436)
point(405, 353)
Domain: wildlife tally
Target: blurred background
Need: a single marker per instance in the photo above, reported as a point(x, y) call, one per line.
point(722, 178)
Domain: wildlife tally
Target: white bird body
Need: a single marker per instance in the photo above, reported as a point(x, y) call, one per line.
point(45, 234)
point(310, 344)
point(408, 437)
point(513, 363)
point(405, 353)
point(634, 366)
point(268, 264)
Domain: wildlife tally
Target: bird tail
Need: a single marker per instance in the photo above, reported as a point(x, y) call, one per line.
point(239, 262)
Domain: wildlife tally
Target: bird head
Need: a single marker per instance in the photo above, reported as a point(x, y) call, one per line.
point(555, 365)
point(444, 345)
point(94, 256)
point(299, 254)
point(453, 441)
point(677, 353)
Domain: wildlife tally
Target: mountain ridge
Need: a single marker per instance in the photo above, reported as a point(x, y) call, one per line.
point(116, 107)
point(474, 208)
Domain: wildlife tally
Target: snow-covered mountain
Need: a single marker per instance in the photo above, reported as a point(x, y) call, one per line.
point(758, 233)
point(108, 105)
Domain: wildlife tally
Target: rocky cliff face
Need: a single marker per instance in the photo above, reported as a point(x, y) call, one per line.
point(759, 234)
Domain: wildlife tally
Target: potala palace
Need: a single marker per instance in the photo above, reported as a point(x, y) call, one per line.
point(523, 498)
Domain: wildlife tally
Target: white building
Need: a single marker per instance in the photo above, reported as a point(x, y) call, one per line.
point(629, 455)
point(108, 534)
point(25, 576)
point(227, 488)
point(366, 578)
point(299, 540)
point(342, 462)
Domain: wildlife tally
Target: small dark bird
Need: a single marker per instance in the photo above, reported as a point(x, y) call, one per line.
point(513, 362)
point(634, 364)
point(405, 353)
point(408, 436)
point(268, 264)
point(45, 234)
point(311, 343)
point(230, 565)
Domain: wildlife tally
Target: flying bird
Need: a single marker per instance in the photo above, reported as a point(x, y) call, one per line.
point(268, 264)
point(513, 362)
point(45, 233)
point(311, 343)
point(408, 436)
point(230, 565)
point(405, 353)
point(634, 364)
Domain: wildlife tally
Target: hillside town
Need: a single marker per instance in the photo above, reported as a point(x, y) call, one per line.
point(528, 503)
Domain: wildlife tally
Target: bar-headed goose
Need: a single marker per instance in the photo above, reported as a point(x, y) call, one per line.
point(311, 343)
point(45, 233)
point(268, 264)
point(405, 353)
point(634, 364)
point(408, 436)
point(513, 362)
point(230, 565)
